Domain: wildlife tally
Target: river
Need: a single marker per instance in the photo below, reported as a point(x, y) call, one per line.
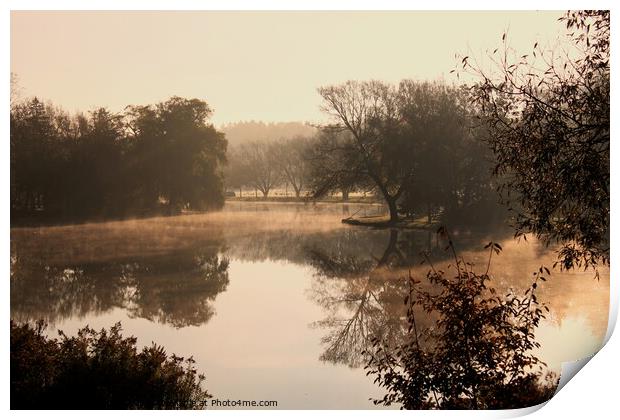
point(275, 301)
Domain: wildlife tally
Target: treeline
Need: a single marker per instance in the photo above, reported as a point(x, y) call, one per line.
point(241, 132)
point(145, 160)
point(263, 165)
point(414, 145)
point(411, 145)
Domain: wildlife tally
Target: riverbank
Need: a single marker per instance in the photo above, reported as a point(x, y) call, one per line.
point(278, 199)
point(384, 222)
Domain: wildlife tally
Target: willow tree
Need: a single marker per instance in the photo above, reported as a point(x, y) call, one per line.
point(376, 148)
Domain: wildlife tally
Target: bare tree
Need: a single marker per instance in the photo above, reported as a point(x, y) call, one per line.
point(235, 173)
point(291, 162)
point(358, 296)
point(376, 148)
point(259, 162)
point(332, 168)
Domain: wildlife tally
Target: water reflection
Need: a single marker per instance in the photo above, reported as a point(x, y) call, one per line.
point(166, 270)
point(174, 273)
point(362, 295)
point(359, 299)
point(176, 288)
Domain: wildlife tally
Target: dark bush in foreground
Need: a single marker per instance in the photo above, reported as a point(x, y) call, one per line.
point(479, 354)
point(98, 370)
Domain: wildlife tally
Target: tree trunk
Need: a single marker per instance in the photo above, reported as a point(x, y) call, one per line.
point(391, 202)
point(265, 193)
point(390, 250)
point(297, 192)
point(345, 195)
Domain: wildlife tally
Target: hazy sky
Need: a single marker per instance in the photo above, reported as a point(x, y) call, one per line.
point(247, 65)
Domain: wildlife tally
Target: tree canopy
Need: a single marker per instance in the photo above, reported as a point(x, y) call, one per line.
point(103, 164)
point(377, 149)
point(546, 116)
point(411, 143)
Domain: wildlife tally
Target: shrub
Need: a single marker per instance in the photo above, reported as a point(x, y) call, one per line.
point(478, 353)
point(98, 370)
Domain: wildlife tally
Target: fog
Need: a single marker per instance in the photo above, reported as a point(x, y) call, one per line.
point(322, 208)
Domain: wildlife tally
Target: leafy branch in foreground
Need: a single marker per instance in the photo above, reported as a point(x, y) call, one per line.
point(98, 370)
point(547, 119)
point(477, 355)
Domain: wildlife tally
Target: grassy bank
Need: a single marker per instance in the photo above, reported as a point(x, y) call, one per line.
point(384, 222)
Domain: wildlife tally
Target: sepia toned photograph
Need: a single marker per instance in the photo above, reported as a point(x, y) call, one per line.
point(306, 210)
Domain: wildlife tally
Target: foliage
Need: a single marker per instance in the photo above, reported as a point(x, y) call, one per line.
point(103, 164)
point(98, 370)
point(411, 143)
point(235, 175)
point(478, 353)
point(452, 167)
point(333, 167)
point(183, 154)
point(547, 118)
point(375, 150)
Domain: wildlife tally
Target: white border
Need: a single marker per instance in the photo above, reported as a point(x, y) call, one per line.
point(592, 394)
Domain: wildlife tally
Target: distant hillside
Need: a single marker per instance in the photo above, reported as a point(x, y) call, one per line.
point(244, 131)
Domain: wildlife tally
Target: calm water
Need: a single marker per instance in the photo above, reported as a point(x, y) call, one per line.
point(274, 301)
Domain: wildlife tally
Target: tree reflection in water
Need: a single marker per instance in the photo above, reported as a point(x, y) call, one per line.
point(171, 270)
point(363, 290)
point(454, 344)
point(175, 288)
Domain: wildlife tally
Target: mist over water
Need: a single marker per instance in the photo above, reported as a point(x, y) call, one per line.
point(274, 300)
